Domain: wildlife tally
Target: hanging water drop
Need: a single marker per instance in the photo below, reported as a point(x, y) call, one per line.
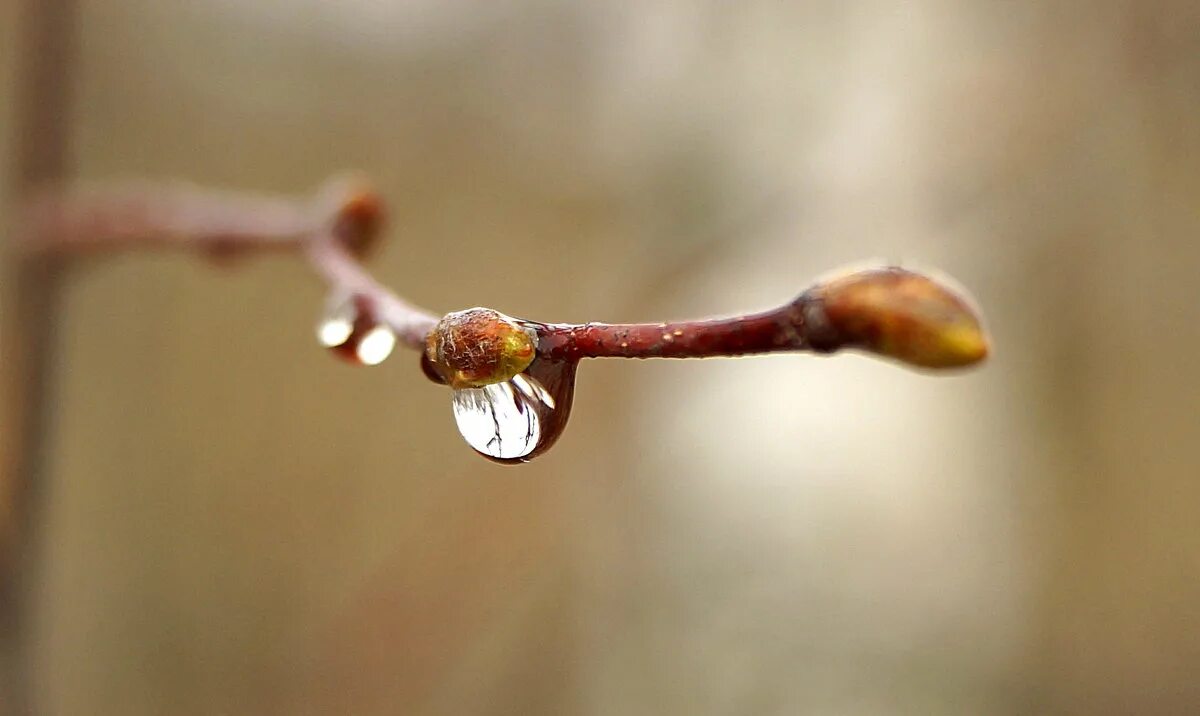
point(349, 328)
point(337, 323)
point(376, 345)
point(497, 421)
point(520, 418)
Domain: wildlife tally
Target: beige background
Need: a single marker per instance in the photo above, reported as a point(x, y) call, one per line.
point(237, 523)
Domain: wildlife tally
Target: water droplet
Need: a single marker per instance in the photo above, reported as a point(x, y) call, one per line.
point(518, 419)
point(337, 323)
point(376, 345)
point(497, 421)
point(349, 328)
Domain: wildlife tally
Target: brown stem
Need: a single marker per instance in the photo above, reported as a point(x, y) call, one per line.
point(890, 311)
point(782, 329)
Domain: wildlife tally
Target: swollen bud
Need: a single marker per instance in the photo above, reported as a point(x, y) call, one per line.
point(358, 213)
point(900, 314)
point(479, 347)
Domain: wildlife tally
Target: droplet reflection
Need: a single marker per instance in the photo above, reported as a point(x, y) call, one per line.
point(497, 420)
point(518, 419)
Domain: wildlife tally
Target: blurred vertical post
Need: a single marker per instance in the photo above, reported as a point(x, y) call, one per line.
point(46, 34)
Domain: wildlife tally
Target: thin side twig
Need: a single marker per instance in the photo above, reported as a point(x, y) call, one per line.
point(332, 230)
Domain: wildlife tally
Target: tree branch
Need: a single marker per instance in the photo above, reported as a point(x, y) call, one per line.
point(513, 378)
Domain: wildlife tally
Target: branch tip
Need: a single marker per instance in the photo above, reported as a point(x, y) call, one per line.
point(903, 315)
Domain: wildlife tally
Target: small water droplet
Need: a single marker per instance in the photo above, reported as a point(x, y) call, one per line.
point(376, 345)
point(518, 419)
point(334, 333)
point(349, 328)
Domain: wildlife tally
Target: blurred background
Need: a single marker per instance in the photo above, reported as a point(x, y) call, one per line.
point(233, 522)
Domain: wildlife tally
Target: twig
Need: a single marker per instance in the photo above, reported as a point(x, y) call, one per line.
point(332, 230)
point(513, 378)
point(891, 311)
